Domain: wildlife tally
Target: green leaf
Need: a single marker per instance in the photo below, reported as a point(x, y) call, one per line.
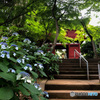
point(35, 97)
point(5, 62)
point(46, 58)
point(20, 53)
point(8, 76)
point(31, 88)
point(34, 74)
point(42, 98)
point(12, 59)
point(31, 57)
point(3, 67)
point(43, 73)
point(23, 90)
point(6, 93)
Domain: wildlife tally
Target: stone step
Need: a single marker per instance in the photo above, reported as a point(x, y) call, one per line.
point(73, 99)
point(77, 69)
point(78, 65)
point(65, 94)
point(95, 67)
point(72, 87)
point(78, 72)
point(76, 76)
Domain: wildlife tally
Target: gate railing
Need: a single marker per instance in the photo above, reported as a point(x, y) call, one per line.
point(99, 70)
point(81, 57)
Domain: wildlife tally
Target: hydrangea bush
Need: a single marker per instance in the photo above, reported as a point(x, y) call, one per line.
point(21, 62)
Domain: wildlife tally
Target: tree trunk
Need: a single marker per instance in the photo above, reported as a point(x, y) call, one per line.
point(93, 44)
point(57, 33)
point(57, 27)
point(94, 49)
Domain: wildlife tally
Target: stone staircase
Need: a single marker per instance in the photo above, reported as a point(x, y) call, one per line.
point(70, 69)
point(72, 78)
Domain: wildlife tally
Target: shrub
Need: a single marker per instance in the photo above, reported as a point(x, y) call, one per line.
point(18, 71)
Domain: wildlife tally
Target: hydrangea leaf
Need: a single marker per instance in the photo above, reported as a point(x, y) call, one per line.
point(34, 74)
point(3, 67)
point(8, 76)
point(43, 73)
point(31, 57)
point(31, 88)
point(12, 59)
point(35, 97)
point(23, 90)
point(6, 93)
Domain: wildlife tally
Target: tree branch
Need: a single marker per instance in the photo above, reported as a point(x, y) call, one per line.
point(20, 14)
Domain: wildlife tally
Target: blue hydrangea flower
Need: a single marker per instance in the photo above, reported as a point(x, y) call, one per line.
point(28, 66)
point(19, 60)
point(3, 53)
point(36, 85)
point(3, 45)
point(40, 51)
point(8, 56)
point(23, 61)
point(11, 70)
point(24, 74)
point(27, 41)
point(27, 58)
point(14, 54)
point(15, 34)
point(40, 65)
point(14, 45)
point(25, 67)
point(46, 94)
point(35, 64)
point(24, 56)
point(4, 38)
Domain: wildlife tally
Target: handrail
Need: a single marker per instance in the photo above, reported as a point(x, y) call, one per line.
point(81, 57)
point(99, 70)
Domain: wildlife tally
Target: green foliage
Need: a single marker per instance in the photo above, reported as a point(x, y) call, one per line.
point(17, 71)
point(87, 50)
point(6, 93)
point(98, 52)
